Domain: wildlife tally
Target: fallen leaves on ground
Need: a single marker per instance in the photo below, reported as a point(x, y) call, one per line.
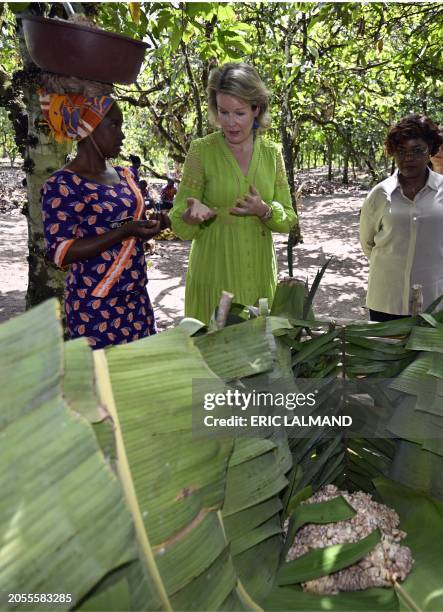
point(12, 192)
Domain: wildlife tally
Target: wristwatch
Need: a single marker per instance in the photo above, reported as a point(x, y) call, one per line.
point(267, 215)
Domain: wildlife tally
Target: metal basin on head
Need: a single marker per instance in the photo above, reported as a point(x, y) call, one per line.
point(72, 49)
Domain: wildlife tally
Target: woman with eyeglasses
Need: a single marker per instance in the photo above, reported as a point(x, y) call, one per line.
point(401, 223)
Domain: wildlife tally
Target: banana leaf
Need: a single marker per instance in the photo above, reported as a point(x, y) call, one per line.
point(378, 345)
point(436, 368)
point(79, 390)
point(314, 467)
point(174, 483)
point(235, 602)
point(298, 497)
point(368, 453)
point(252, 510)
point(256, 535)
point(303, 448)
point(30, 361)
point(288, 300)
point(331, 511)
point(249, 448)
point(433, 306)
point(239, 350)
point(253, 517)
point(324, 561)
point(257, 568)
point(257, 467)
point(418, 468)
point(252, 492)
point(431, 403)
point(283, 454)
point(371, 354)
point(292, 491)
point(429, 319)
point(313, 324)
point(417, 426)
point(426, 339)
point(64, 524)
point(388, 329)
point(331, 470)
point(421, 516)
point(316, 346)
point(115, 596)
point(81, 395)
point(371, 600)
point(415, 377)
point(252, 482)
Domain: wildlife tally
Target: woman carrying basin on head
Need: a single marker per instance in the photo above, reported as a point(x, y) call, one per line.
point(95, 224)
point(401, 223)
point(232, 196)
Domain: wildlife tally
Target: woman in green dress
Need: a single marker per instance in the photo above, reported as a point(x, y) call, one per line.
point(233, 194)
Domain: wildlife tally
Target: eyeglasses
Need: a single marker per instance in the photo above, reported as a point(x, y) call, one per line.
point(413, 153)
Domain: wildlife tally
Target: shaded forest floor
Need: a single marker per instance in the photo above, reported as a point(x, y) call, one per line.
point(329, 216)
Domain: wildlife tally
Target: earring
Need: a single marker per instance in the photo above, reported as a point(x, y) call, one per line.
point(256, 124)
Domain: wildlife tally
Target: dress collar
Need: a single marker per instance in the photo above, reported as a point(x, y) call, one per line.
point(253, 164)
point(433, 182)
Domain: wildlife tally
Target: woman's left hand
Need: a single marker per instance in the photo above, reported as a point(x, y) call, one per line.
point(251, 205)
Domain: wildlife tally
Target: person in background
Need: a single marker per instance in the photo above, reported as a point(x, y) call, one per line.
point(95, 224)
point(145, 191)
point(136, 162)
point(167, 195)
point(401, 223)
point(437, 159)
point(233, 194)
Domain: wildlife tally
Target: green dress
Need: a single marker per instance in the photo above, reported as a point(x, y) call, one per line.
point(231, 253)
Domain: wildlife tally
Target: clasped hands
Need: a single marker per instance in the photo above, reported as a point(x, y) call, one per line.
point(251, 205)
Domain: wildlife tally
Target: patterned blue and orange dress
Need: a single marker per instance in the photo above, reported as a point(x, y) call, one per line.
point(106, 299)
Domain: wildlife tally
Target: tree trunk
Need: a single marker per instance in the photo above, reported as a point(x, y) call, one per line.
point(288, 128)
point(44, 279)
point(329, 154)
point(289, 158)
point(372, 170)
point(345, 175)
point(43, 156)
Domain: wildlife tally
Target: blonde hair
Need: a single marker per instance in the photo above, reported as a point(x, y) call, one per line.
point(241, 81)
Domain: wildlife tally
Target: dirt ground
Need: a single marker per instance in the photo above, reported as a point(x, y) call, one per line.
point(329, 221)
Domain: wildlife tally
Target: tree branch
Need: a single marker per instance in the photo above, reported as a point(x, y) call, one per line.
point(195, 91)
point(144, 103)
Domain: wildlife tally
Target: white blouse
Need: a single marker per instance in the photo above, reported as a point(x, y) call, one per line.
point(403, 240)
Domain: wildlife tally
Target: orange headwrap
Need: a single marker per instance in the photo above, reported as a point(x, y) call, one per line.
point(73, 116)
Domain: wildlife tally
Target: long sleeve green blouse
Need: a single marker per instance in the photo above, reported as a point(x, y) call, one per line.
point(231, 253)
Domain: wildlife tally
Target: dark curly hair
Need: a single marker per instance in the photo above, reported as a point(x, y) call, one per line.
point(135, 160)
point(414, 126)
